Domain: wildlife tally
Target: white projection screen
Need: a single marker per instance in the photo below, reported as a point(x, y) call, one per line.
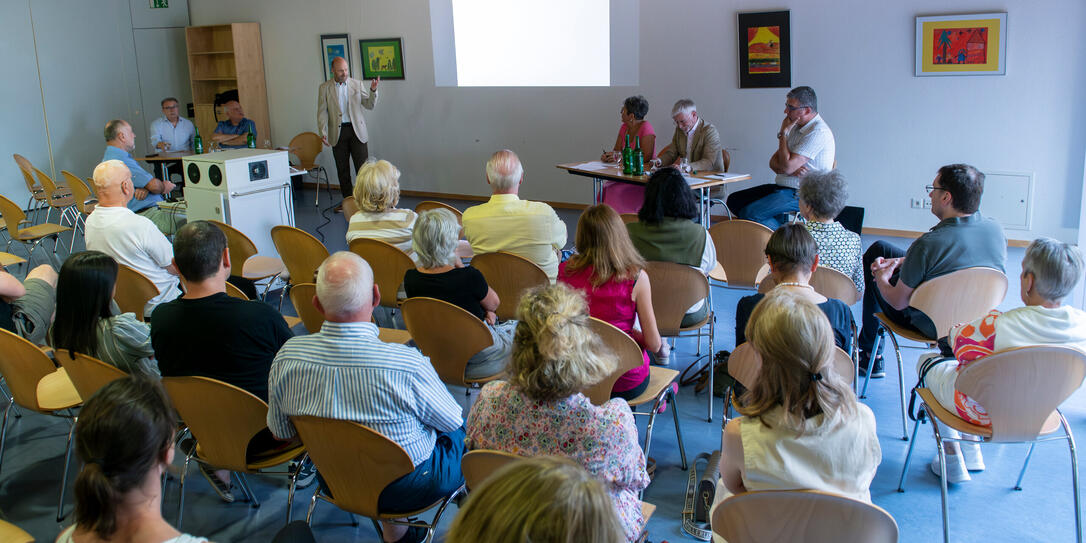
point(514, 43)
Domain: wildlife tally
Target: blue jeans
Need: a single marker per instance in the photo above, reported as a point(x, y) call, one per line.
point(764, 204)
point(433, 479)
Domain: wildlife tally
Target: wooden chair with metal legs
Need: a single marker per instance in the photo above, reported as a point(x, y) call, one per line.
point(10, 533)
point(660, 380)
point(389, 264)
point(480, 464)
point(350, 207)
point(223, 419)
point(719, 195)
point(38, 199)
point(83, 201)
point(31, 236)
point(740, 250)
point(812, 517)
point(88, 373)
point(449, 336)
point(302, 254)
point(235, 292)
point(675, 288)
point(1021, 389)
point(306, 146)
point(357, 463)
point(954, 298)
point(37, 385)
point(133, 291)
point(245, 260)
point(60, 198)
point(510, 276)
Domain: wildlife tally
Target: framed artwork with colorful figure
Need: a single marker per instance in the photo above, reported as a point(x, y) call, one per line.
point(974, 44)
point(332, 46)
point(765, 50)
point(382, 58)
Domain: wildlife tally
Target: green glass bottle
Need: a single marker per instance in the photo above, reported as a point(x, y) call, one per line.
point(638, 159)
point(627, 157)
point(250, 140)
point(198, 143)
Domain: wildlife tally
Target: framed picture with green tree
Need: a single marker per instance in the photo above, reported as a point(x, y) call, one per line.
point(382, 58)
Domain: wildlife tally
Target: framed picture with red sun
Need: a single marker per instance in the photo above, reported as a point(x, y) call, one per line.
point(765, 50)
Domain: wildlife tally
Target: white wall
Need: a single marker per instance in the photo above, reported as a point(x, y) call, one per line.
point(893, 129)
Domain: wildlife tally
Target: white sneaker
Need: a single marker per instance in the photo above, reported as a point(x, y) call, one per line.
point(955, 468)
point(974, 460)
point(663, 356)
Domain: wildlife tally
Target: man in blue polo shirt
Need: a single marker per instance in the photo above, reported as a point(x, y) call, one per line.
point(120, 141)
point(233, 133)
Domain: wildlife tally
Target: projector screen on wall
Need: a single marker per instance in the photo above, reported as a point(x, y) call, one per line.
point(558, 43)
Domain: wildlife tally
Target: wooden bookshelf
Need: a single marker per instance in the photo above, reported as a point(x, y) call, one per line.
point(222, 58)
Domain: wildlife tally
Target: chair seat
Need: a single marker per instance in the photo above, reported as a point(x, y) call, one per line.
point(11, 533)
point(260, 267)
point(659, 379)
point(647, 509)
point(40, 231)
point(263, 462)
point(292, 321)
point(56, 392)
point(8, 259)
point(62, 200)
point(718, 273)
point(1052, 423)
point(393, 335)
point(907, 333)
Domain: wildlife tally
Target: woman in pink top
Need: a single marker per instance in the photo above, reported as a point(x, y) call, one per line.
point(624, 197)
point(612, 275)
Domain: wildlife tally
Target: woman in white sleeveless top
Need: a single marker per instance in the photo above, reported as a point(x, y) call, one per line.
point(125, 438)
point(802, 426)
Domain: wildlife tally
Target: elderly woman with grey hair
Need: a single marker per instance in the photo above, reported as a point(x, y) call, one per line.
point(441, 274)
point(822, 196)
point(1050, 271)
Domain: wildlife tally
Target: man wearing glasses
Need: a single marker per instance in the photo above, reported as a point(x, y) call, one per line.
point(804, 145)
point(696, 143)
point(962, 239)
point(171, 132)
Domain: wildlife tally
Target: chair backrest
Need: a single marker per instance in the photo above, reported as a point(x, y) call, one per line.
point(23, 366)
point(356, 462)
point(27, 169)
point(1021, 388)
point(812, 516)
point(221, 416)
point(13, 216)
point(350, 207)
point(624, 347)
point(745, 364)
point(433, 204)
point(238, 245)
point(301, 295)
point(825, 281)
point(675, 287)
point(10, 533)
point(479, 464)
point(961, 296)
point(80, 191)
point(302, 253)
point(510, 276)
point(306, 146)
point(133, 291)
point(628, 218)
point(389, 265)
point(740, 249)
point(87, 373)
point(727, 159)
point(235, 292)
point(447, 334)
point(47, 182)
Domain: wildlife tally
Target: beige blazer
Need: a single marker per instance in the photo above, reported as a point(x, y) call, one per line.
point(329, 115)
point(704, 153)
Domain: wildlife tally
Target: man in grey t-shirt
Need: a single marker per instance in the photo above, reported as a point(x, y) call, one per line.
point(805, 144)
point(962, 239)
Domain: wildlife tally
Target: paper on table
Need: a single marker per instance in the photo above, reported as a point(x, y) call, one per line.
point(727, 176)
point(594, 166)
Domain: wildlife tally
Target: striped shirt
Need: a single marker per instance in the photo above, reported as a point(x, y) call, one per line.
point(344, 372)
point(393, 227)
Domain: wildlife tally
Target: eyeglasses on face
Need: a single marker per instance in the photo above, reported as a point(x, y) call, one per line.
point(931, 188)
point(793, 108)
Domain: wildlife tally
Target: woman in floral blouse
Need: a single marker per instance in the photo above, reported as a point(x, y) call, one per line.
point(822, 196)
point(541, 411)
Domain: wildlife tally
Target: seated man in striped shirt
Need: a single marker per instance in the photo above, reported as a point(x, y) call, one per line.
point(393, 389)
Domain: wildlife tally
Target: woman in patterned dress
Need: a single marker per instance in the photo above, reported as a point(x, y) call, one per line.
point(822, 196)
point(541, 410)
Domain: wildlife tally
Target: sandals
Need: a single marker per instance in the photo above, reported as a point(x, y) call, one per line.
point(221, 487)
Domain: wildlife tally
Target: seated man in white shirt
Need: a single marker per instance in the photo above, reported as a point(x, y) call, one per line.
point(131, 239)
point(171, 131)
point(507, 223)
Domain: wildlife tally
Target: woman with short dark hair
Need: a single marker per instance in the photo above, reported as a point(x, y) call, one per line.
point(624, 197)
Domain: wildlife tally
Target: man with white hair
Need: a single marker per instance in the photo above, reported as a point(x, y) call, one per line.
point(506, 223)
point(346, 372)
point(695, 140)
point(130, 238)
point(148, 190)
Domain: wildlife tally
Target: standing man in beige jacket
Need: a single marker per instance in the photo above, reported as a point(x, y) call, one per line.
point(340, 123)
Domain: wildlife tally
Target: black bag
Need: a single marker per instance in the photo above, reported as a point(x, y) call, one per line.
point(700, 377)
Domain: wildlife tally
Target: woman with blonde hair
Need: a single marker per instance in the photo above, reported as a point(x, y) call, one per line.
point(542, 500)
point(377, 191)
point(802, 427)
point(541, 410)
point(611, 273)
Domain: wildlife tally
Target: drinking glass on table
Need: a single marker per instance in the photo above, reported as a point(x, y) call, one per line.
point(267, 144)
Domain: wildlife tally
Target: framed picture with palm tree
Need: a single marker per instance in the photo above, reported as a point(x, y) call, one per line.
point(973, 44)
point(765, 50)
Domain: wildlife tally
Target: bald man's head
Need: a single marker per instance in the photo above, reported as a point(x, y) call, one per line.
point(112, 182)
point(340, 69)
point(345, 287)
point(504, 172)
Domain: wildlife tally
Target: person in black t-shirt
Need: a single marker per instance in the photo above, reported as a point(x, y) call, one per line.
point(208, 333)
point(440, 274)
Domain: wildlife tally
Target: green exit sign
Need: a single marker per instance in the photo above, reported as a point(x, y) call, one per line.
point(160, 4)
